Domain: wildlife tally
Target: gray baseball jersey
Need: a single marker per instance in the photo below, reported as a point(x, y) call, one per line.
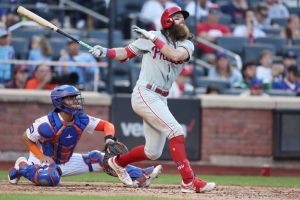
point(157, 68)
point(159, 123)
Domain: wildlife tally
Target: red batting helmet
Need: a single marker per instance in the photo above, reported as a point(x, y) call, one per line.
point(166, 20)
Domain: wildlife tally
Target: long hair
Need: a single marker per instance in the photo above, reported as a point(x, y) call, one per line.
point(45, 47)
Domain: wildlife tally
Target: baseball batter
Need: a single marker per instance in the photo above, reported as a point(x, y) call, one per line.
point(52, 139)
point(164, 54)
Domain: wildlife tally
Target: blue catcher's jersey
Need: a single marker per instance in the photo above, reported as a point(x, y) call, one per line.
point(58, 138)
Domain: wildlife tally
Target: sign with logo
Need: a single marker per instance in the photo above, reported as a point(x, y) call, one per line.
point(129, 126)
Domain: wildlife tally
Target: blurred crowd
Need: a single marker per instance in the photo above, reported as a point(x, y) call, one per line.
point(271, 25)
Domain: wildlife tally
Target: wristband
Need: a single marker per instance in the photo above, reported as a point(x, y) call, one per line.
point(111, 53)
point(159, 43)
point(110, 137)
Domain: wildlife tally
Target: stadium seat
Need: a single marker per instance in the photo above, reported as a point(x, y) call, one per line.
point(27, 33)
point(279, 21)
point(277, 42)
point(295, 49)
point(126, 6)
point(225, 19)
point(232, 43)
point(252, 52)
point(21, 46)
point(272, 31)
point(57, 45)
point(296, 42)
point(103, 34)
point(253, 3)
point(294, 10)
point(204, 82)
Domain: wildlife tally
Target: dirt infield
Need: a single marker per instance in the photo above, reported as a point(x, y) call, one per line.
point(168, 191)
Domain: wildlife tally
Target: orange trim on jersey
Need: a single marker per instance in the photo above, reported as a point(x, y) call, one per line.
point(35, 150)
point(105, 126)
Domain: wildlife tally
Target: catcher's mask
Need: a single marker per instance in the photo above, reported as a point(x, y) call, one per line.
point(166, 18)
point(67, 98)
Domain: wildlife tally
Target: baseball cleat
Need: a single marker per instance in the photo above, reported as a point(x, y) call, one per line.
point(120, 171)
point(147, 178)
point(197, 186)
point(13, 174)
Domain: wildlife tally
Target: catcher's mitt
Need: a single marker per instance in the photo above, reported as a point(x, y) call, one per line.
point(112, 149)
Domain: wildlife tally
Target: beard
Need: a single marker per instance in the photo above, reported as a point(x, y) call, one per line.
point(179, 32)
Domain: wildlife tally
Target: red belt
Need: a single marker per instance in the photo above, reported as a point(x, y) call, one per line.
point(158, 90)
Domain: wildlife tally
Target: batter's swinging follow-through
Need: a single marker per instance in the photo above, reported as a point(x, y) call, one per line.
point(164, 55)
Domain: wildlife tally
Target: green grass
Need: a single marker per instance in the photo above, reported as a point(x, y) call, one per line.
point(175, 179)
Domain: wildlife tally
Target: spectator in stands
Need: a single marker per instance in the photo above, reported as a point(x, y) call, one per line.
point(40, 51)
point(248, 73)
point(264, 70)
point(290, 81)
point(153, 9)
point(41, 79)
point(212, 90)
point(261, 14)
point(182, 86)
point(248, 29)
point(85, 74)
point(210, 30)
point(7, 52)
point(202, 8)
point(235, 9)
point(19, 79)
point(276, 9)
point(224, 71)
point(292, 29)
point(277, 71)
point(289, 58)
point(256, 89)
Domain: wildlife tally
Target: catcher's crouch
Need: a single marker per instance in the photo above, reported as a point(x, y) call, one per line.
point(52, 139)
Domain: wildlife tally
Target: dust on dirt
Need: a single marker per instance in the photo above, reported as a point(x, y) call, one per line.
point(156, 190)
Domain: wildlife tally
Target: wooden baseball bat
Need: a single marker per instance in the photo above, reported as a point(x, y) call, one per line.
point(34, 17)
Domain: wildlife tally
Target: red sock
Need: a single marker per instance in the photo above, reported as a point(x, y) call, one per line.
point(135, 155)
point(178, 154)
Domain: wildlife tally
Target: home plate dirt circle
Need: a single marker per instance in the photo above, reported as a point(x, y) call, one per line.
point(156, 190)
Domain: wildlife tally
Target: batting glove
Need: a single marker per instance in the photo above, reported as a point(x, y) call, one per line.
point(98, 51)
point(146, 34)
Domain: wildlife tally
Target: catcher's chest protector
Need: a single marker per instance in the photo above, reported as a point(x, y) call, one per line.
point(66, 135)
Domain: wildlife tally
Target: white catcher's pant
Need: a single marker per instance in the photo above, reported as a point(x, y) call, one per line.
point(158, 121)
point(74, 166)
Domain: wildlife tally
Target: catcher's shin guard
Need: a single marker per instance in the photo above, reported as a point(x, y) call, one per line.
point(13, 174)
point(47, 175)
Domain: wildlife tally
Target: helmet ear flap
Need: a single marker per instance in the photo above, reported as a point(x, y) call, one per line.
point(169, 22)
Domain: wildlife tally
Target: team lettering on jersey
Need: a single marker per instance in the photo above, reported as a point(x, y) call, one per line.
point(157, 52)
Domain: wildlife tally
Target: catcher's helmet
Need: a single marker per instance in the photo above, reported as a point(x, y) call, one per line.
point(59, 93)
point(166, 20)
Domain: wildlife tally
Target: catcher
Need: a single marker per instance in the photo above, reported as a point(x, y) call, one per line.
point(52, 139)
